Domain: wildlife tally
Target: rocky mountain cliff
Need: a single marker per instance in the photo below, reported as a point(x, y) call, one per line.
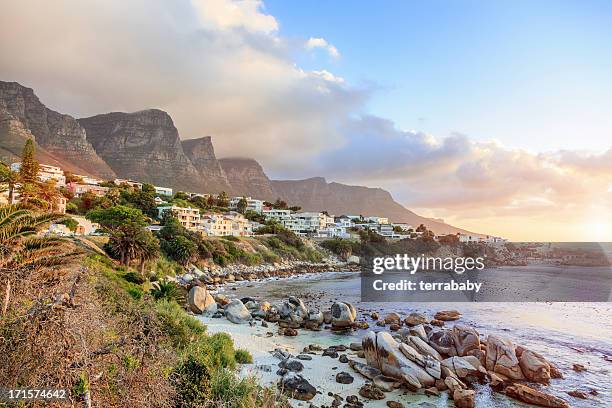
point(202, 155)
point(247, 177)
point(146, 146)
point(60, 136)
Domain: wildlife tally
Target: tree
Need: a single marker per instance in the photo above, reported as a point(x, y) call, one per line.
point(114, 217)
point(280, 204)
point(143, 199)
point(421, 228)
point(222, 200)
point(295, 208)
point(181, 249)
point(180, 195)
point(71, 177)
point(9, 178)
point(28, 172)
point(242, 205)
point(131, 241)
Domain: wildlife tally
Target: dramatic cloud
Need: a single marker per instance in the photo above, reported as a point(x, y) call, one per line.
point(313, 43)
point(218, 67)
point(221, 68)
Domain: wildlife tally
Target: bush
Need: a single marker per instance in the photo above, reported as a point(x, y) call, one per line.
point(243, 356)
point(181, 328)
point(133, 277)
point(231, 238)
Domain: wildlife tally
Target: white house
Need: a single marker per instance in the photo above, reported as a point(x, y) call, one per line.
point(377, 220)
point(163, 191)
point(252, 204)
point(275, 214)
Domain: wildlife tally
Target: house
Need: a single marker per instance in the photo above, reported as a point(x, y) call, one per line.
point(84, 227)
point(79, 189)
point(216, 225)
point(130, 183)
point(377, 220)
point(163, 191)
point(187, 216)
point(344, 221)
point(89, 180)
point(307, 223)
point(276, 214)
point(46, 172)
point(252, 204)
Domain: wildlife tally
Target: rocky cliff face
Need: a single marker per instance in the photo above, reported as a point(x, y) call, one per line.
point(143, 146)
point(59, 135)
point(202, 155)
point(247, 177)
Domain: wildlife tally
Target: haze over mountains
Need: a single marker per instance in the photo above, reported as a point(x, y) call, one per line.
point(146, 146)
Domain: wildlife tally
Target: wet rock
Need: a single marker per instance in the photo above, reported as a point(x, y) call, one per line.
point(423, 348)
point(201, 301)
point(432, 392)
point(447, 315)
point(394, 327)
point(330, 352)
point(344, 378)
point(395, 404)
point(343, 358)
point(374, 315)
point(414, 319)
point(393, 318)
point(577, 394)
point(501, 358)
point(534, 366)
point(303, 357)
point(291, 365)
point(428, 363)
point(296, 386)
point(237, 313)
point(464, 398)
point(289, 332)
point(578, 368)
point(436, 322)
point(460, 367)
point(371, 392)
point(526, 394)
point(259, 309)
point(355, 346)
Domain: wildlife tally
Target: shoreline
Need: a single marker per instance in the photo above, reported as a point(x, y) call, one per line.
point(266, 334)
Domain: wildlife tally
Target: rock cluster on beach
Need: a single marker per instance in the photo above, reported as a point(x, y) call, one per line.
point(411, 351)
point(417, 356)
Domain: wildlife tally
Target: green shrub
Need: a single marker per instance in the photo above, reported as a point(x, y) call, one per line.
point(134, 277)
point(181, 328)
point(191, 380)
point(231, 238)
point(81, 386)
point(243, 356)
point(135, 292)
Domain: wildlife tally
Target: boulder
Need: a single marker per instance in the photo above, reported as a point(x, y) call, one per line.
point(465, 339)
point(237, 313)
point(533, 365)
point(527, 394)
point(428, 363)
point(419, 331)
point(501, 358)
point(442, 341)
point(447, 315)
point(296, 386)
point(423, 348)
point(201, 301)
point(365, 370)
point(369, 391)
point(344, 378)
point(383, 352)
point(464, 398)
point(353, 259)
point(460, 367)
point(393, 318)
point(221, 299)
point(291, 365)
point(342, 315)
point(260, 310)
point(415, 319)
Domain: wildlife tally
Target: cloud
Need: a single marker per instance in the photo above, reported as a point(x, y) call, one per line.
point(218, 67)
point(313, 43)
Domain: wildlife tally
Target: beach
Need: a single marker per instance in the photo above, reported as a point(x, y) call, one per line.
point(565, 333)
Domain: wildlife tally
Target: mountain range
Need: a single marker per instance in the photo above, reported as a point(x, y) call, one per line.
point(146, 146)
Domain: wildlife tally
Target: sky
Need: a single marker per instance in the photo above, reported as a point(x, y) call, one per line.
point(494, 116)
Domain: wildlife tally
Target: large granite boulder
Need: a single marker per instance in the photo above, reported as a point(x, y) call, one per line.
point(342, 315)
point(201, 301)
point(237, 313)
point(296, 386)
point(443, 342)
point(534, 366)
point(383, 352)
point(501, 358)
point(465, 339)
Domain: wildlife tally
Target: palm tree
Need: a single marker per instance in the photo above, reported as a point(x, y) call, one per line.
point(8, 179)
point(131, 241)
point(21, 248)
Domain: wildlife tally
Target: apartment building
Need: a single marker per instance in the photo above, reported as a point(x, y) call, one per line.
point(79, 189)
point(252, 204)
point(167, 191)
point(188, 217)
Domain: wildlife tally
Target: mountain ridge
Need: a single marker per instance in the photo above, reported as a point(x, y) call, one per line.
point(146, 146)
